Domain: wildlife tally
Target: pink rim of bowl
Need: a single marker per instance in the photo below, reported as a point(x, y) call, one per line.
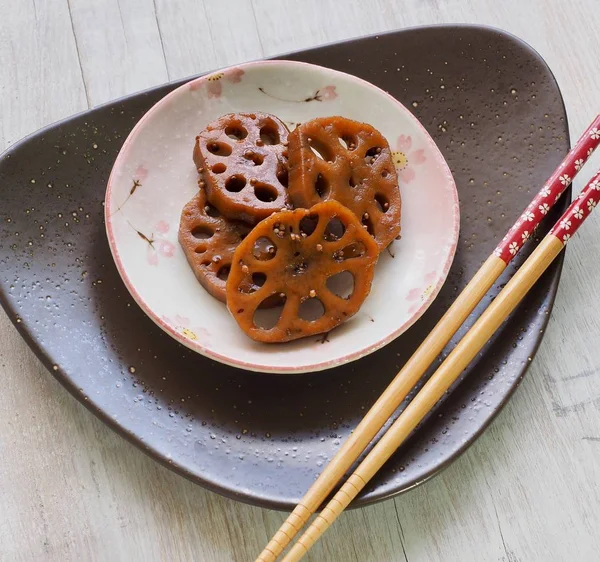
point(328, 92)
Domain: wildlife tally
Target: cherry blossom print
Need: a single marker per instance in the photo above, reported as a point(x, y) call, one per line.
point(139, 176)
point(326, 93)
point(428, 290)
point(214, 86)
point(162, 247)
point(575, 215)
point(405, 158)
point(420, 294)
point(183, 325)
point(565, 224)
point(551, 192)
point(565, 179)
point(151, 255)
point(413, 294)
point(165, 248)
point(528, 216)
point(595, 185)
point(156, 245)
point(141, 173)
point(214, 82)
point(162, 227)
point(525, 236)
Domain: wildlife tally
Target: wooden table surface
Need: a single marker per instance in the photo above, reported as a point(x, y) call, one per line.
point(71, 489)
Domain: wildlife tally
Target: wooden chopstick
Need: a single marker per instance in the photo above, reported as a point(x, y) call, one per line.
point(434, 343)
point(456, 362)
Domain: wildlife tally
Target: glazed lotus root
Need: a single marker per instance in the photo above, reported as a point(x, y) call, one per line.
point(349, 162)
point(305, 257)
point(243, 160)
point(209, 241)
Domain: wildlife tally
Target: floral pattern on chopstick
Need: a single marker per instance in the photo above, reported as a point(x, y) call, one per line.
point(550, 193)
point(574, 216)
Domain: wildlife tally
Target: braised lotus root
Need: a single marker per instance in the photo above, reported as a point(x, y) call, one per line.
point(305, 257)
point(243, 159)
point(349, 162)
point(209, 241)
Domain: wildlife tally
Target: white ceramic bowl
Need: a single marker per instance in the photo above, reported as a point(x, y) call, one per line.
point(154, 176)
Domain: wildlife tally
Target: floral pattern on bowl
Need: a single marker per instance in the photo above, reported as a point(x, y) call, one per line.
point(154, 176)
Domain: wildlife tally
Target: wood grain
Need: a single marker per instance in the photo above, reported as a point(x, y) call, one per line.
point(70, 489)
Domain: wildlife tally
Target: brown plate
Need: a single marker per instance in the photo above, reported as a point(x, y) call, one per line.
point(496, 112)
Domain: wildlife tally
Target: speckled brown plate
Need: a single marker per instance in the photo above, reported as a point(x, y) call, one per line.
point(496, 113)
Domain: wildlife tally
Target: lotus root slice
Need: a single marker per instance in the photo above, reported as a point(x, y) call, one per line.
point(301, 256)
point(209, 242)
point(243, 159)
point(333, 158)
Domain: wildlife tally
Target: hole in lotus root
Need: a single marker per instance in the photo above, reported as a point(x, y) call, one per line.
point(265, 192)
point(354, 250)
point(267, 318)
point(320, 149)
point(348, 142)
point(372, 154)
point(253, 283)
point(202, 232)
point(382, 202)
point(269, 134)
point(367, 223)
point(385, 173)
point(211, 211)
point(219, 168)
point(235, 183)
point(200, 249)
point(311, 309)
point(341, 284)
point(259, 278)
point(308, 224)
point(255, 158)
point(264, 249)
point(352, 181)
point(321, 186)
point(219, 148)
point(223, 272)
point(236, 132)
point(282, 175)
point(334, 230)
